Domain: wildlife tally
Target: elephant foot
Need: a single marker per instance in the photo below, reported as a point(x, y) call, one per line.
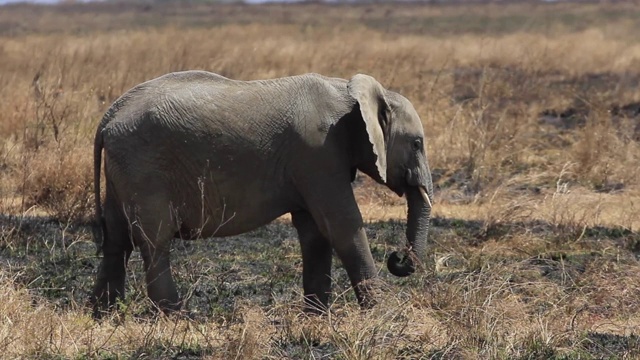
point(169, 307)
point(105, 296)
point(315, 306)
point(165, 296)
point(109, 286)
point(367, 291)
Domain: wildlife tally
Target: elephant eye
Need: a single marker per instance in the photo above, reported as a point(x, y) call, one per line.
point(416, 145)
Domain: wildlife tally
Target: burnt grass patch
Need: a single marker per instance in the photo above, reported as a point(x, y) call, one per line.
point(57, 263)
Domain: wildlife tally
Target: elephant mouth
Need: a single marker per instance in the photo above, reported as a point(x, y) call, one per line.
point(401, 190)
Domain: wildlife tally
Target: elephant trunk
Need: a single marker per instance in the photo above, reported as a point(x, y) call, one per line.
point(419, 215)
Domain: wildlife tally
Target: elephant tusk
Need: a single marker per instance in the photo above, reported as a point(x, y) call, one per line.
point(425, 196)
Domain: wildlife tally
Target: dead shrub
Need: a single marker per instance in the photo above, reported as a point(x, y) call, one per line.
point(60, 182)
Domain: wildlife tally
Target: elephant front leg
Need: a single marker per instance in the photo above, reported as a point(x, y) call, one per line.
point(335, 211)
point(316, 263)
point(354, 253)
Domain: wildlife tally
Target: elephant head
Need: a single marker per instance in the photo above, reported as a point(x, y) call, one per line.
point(395, 156)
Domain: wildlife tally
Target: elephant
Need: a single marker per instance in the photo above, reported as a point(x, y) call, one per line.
point(194, 154)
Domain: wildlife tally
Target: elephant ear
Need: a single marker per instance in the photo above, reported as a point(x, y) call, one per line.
point(375, 112)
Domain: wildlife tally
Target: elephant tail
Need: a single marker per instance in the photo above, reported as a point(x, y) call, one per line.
point(99, 226)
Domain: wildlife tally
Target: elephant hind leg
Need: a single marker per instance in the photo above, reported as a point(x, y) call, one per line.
point(161, 287)
point(152, 233)
point(117, 247)
point(316, 263)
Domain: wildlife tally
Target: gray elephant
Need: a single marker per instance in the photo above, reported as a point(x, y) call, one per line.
point(194, 154)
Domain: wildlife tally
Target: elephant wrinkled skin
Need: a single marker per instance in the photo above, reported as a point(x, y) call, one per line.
point(194, 154)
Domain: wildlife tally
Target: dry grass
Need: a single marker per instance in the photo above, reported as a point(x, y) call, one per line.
point(532, 114)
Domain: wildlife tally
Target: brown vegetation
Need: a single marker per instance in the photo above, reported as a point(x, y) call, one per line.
point(532, 114)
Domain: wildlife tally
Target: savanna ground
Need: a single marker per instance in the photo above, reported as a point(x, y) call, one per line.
point(532, 114)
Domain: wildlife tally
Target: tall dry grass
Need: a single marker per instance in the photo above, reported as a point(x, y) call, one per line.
point(56, 87)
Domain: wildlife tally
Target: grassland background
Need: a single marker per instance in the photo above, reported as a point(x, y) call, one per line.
point(532, 115)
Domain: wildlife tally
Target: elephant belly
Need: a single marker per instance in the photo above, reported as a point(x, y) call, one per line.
point(233, 207)
point(229, 221)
